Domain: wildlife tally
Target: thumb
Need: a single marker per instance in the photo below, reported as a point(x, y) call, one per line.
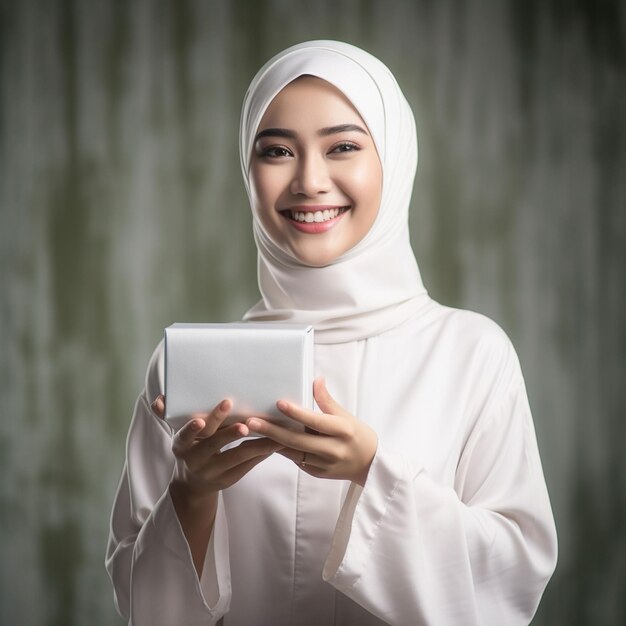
point(325, 401)
point(185, 437)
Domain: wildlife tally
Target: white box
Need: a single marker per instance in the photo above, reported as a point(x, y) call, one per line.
point(254, 364)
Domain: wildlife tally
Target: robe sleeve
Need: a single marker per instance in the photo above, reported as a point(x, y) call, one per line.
point(480, 552)
point(148, 558)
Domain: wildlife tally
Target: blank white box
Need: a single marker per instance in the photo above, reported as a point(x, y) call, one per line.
point(253, 364)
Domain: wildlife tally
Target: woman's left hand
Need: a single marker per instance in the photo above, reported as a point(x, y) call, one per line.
point(341, 448)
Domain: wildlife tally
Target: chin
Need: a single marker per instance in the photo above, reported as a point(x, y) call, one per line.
point(315, 259)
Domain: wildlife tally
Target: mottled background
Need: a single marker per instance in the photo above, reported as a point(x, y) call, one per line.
point(122, 210)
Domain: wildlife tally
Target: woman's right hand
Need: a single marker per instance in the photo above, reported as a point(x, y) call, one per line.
point(202, 469)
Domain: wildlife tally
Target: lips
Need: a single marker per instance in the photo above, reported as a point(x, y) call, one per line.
point(311, 216)
point(314, 219)
point(318, 216)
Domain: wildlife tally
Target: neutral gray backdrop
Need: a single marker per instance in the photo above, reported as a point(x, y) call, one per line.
point(122, 210)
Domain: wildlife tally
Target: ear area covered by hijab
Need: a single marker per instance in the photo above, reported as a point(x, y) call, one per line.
point(376, 285)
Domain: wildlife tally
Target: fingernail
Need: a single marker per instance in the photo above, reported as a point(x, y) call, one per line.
point(253, 423)
point(283, 405)
point(224, 405)
point(196, 424)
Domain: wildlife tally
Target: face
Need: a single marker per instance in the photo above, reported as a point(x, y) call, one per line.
point(315, 173)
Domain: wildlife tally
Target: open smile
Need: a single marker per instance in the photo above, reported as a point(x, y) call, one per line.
point(317, 219)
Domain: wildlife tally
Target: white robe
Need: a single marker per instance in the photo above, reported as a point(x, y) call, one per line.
point(453, 526)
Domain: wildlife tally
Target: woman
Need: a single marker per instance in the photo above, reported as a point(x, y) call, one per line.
point(430, 507)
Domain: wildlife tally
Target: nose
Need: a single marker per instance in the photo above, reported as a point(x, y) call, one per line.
point(311, 176)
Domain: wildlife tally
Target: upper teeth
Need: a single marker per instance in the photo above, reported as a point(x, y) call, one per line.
point(315, 216)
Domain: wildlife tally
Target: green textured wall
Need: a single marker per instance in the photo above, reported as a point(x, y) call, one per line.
point(122, 210)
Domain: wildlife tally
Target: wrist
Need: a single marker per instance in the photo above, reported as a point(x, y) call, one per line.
point(190, 500)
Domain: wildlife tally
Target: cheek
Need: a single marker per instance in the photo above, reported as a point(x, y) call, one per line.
point(262, 183)
point(267, 186)
point(365, 184)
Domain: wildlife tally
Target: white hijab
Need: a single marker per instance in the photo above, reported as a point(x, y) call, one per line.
point(376, 285)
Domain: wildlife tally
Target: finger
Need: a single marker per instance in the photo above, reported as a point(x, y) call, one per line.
point(325, 401)
point(288, 438)
point(242, 453)
point(227, 435)
point(239, 471)
point(303, 460)
point(185, 437)
point(319, 422)
point(158, 406)
point(199, 455)
point(312, 465)
point(214, 419)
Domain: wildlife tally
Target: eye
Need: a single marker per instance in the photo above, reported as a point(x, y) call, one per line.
point(344, 146)
point(276, 152)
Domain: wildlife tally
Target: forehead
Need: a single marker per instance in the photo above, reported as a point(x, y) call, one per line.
point(308, 101)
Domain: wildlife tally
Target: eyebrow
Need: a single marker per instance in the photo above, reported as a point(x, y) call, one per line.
point(341, 128)
point(322, 132)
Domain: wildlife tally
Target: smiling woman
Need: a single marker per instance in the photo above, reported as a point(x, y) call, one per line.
point(316, 175)
point(415, 494)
